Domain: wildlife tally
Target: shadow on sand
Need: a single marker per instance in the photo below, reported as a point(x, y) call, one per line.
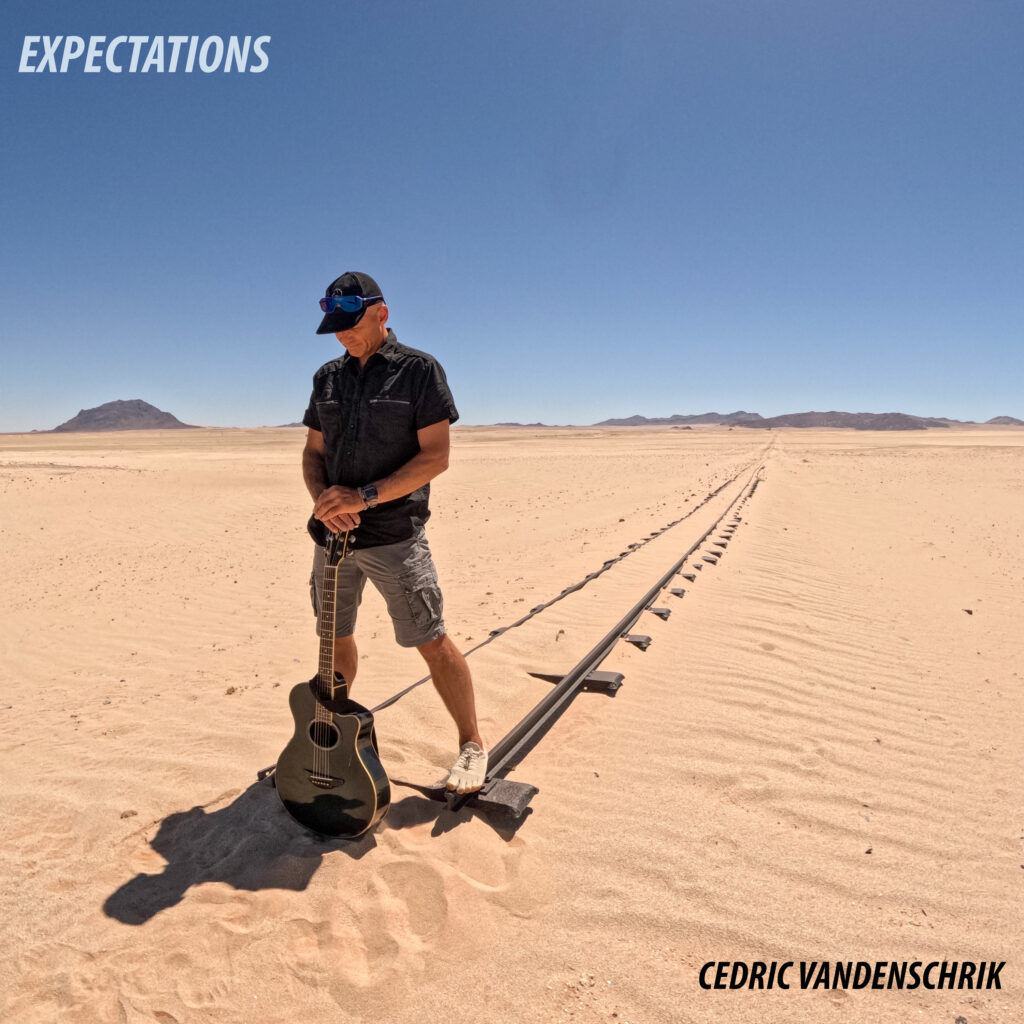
point(252, 843)
point(418, 810)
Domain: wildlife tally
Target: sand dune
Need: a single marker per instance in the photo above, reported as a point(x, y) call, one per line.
point(818, 758)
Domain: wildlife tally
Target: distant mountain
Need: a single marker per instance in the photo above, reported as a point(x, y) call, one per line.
point(730, 418)
point(133, 414)
point(1005, 421)
point(851, 420)
point(520, 424)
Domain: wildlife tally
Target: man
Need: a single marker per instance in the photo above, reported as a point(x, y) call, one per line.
point(378, 424)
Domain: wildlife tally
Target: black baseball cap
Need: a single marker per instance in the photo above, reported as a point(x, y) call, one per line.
point(352, 282)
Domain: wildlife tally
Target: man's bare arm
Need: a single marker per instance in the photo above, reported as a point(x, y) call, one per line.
point(314, 468)
point(430, 461)
point(314, 475)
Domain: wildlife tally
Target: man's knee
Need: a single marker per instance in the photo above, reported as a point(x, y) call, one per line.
point(434, 648)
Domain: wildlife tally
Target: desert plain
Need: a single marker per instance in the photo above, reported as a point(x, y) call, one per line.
point(818, 758)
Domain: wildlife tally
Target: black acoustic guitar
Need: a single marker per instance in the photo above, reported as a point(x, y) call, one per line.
point(329, 777)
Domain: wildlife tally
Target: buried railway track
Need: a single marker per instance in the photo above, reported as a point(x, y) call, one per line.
point(751, 470)
point(511, 798)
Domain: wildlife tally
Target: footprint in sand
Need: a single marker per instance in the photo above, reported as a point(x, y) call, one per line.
point(751, 786)
point(814, 757)
point(198, 990)
point(418, 887)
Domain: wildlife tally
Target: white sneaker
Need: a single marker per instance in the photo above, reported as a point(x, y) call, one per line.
point(470, 770)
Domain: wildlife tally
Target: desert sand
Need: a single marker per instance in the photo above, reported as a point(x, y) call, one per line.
point(818, 757)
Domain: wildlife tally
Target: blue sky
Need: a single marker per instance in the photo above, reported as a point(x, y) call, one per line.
point(583, 210)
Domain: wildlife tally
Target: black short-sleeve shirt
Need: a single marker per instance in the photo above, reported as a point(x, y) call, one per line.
point(369, 417)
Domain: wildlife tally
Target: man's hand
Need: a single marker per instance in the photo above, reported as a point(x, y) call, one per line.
point(338, 508)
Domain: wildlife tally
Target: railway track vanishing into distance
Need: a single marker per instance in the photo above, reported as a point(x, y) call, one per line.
point(510, 799)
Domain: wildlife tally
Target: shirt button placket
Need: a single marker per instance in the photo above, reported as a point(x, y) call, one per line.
point(353, 422)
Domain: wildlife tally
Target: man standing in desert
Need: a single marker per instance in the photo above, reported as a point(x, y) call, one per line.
point(378, 432)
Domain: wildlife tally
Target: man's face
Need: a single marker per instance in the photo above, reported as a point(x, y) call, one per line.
point(365, 338)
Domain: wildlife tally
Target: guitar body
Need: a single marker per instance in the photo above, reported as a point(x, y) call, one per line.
point(329, 776)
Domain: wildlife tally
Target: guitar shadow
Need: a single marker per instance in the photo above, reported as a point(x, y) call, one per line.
point(249, 844)
point(412, 811)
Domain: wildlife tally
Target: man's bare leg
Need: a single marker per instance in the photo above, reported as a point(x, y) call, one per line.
point(451, 677)
point(346, 659)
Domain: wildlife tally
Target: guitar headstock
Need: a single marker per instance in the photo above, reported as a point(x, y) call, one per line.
point(336, 547)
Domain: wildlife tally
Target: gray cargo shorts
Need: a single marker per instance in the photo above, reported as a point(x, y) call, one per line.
point(404, 574)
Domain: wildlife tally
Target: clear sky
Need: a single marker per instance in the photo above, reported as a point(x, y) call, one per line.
point(583, 209)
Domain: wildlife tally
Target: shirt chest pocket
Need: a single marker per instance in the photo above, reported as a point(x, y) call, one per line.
point(386, 403)
point(390, 422)
point(332, 424)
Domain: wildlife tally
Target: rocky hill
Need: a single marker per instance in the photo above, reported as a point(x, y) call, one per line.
point(850, 420)
point(729, 419)
point(133, 414)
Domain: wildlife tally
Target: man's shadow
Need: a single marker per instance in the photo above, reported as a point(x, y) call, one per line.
point(253, 844)
point(249, 844)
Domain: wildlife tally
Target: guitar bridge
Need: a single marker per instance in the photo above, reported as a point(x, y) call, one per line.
point(324, 781)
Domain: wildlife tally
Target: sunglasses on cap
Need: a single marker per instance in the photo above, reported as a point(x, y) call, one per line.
point(347, 303)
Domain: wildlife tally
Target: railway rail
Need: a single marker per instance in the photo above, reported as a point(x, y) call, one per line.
point(512, 798)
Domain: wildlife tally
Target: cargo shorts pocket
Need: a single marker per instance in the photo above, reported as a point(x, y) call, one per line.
point(426, 605)
point(420, 619)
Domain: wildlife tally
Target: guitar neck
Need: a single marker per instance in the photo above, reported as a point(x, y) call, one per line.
point(325, 669)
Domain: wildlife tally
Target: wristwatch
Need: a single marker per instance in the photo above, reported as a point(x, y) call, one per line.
point(369, 495)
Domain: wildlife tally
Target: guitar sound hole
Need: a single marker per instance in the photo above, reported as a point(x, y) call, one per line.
point(323, 735)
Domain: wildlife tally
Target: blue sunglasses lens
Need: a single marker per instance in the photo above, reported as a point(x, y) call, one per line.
point(346, 303)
